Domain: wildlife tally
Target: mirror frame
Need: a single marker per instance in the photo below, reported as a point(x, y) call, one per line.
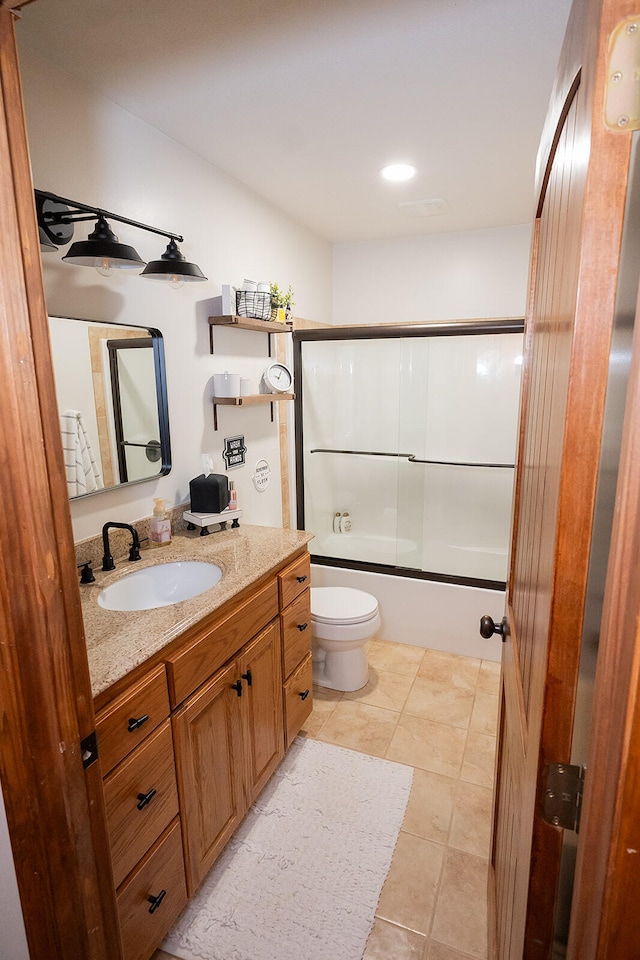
point(157, 343)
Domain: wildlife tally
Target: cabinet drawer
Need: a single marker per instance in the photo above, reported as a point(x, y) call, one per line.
point(141, 931)
point(123, 724)
point(132, 823)
point(191, 666)
point(294, 579)
point(298, 699)
point(296, 632)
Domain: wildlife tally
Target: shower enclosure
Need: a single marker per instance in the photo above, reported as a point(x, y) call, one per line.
point(411, 431)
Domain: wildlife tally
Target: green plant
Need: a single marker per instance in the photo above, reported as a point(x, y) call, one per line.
point(281, 298)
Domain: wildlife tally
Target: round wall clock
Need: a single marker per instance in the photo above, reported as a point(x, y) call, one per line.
point(278, 378)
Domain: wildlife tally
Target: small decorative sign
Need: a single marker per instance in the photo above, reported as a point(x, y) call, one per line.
point(234, 452)
point(262, 475)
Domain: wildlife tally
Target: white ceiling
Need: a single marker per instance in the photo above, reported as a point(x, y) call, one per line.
point(304, 100)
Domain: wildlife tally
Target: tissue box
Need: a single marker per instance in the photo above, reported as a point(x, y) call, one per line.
point(209, 494)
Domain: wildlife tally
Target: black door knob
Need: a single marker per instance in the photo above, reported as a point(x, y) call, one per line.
point(488, 627)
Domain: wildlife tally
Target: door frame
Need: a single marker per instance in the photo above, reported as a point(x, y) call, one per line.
point(54, 808)
point(604, 907)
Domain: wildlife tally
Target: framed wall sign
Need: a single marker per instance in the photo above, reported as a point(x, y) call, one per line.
point(234, 452)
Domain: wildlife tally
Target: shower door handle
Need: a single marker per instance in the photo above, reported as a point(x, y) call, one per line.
point(488, 627)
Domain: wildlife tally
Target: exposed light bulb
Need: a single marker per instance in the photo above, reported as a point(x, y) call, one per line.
point(176, 282)
point(103, 266)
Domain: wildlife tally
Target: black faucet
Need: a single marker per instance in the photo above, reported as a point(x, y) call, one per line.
point(134, 552)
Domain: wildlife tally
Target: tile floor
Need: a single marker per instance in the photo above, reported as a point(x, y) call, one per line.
point(438, 713)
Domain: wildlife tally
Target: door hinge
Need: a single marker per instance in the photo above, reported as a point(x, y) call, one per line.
point(89, 749)
point(562, 801)
point(622, 90)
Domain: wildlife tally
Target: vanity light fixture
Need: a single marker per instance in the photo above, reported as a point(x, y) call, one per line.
point(102, 249)
point(397, 172)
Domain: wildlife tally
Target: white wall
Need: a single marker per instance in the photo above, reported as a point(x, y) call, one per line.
point(91, 150)
point(445, 276)
point(13, 943)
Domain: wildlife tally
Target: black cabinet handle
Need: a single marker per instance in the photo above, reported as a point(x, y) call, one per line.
point(237, 686)
point(302, 626)
point(136, 722)
point(145, 798)
point(301, 579)
point(156, 901)
point(304, 695)
point(247, 676)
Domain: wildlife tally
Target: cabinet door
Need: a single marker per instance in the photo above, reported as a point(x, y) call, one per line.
point(209, 761)
point(261, 673)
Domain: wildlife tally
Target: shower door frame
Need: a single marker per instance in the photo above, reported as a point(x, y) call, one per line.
point(395, 331)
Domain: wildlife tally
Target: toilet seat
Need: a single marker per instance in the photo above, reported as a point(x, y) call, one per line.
point(334, 605)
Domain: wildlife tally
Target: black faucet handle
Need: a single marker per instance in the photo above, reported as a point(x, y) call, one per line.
point(86, 573)
point(134, 552)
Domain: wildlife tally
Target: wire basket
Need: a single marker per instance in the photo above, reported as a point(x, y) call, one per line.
point(250, 303)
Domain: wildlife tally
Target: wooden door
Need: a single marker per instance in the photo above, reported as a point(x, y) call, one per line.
point(567, 338)
point(260, 667)
point(207, 735)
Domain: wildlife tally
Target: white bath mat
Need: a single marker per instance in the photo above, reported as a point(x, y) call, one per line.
point(300, 880)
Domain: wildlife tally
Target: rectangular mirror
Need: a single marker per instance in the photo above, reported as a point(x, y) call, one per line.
point(112, 400)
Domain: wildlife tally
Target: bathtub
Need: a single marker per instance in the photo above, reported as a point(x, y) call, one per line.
point(437, 616)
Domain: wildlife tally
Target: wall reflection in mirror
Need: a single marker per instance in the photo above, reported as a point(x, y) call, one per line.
point(112, 400)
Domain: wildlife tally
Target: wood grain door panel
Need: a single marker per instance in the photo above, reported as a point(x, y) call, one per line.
point(582, 173)
point(262, 708)
point(209, 762)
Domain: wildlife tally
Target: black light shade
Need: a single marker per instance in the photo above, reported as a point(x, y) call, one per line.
point(172, 266)
point(103, 245)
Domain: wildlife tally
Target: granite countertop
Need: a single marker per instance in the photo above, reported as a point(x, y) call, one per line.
point(118, 641)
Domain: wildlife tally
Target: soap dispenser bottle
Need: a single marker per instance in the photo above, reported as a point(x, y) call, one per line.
point(160, 523)
point(233, 496)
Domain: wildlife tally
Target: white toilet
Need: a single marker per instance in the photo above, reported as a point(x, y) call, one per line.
point(342, 620)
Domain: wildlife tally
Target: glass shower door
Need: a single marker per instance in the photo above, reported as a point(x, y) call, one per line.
point(458, 415)
point(351, 393)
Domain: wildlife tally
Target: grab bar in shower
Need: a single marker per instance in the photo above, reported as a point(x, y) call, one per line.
point(413, 459)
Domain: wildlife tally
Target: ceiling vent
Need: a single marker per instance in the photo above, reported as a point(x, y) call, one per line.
point(422, 208)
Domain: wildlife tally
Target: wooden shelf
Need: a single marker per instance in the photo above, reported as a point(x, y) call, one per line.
point(256, 400)
point(247, 323)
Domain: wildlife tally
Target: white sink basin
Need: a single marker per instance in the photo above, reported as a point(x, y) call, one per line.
point(160, 586)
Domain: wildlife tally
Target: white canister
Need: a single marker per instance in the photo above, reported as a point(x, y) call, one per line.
point(248, 387)
point(226, 384)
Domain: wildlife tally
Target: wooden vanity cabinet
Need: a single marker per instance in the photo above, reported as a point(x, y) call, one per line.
point(295, 627)
point(228, 741)
point(185, 750)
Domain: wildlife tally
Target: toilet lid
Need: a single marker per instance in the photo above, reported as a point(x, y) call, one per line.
point(342, 605)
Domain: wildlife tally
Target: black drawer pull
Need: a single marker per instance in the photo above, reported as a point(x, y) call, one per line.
point(247, 676)
point(304, 694)
point(237, 686)
point(136, 722)
point(302, 626)
point(301, 579)
point(156, 901)
point(145, 798)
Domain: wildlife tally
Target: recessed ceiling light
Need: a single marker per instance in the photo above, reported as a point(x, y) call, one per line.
point(398, 171)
